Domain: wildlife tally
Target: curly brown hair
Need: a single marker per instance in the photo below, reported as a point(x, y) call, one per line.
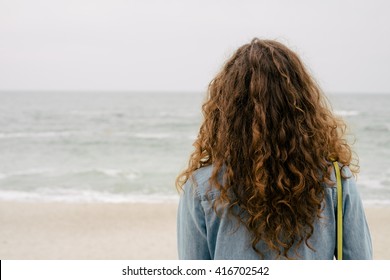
point(270, 130)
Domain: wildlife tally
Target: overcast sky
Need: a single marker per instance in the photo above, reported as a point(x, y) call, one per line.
point(179, 45)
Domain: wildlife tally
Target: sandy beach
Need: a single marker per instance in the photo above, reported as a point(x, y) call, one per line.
point(87, 231)
point(113, 231)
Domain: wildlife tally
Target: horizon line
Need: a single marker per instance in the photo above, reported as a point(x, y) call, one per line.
point(158, 91)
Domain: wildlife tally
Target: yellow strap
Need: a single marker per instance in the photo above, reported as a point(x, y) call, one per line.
point(339, 212)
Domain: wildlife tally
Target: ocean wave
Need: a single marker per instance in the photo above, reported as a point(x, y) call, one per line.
point(373, 183)
point(160, 136)
point(90, 113)
point(153, 135)
point(114, 173)
point(43, 134)
point(28, 172)
point(119, 135)
point(377, 127)
point(180, 115)
point(82, 196)
point(346, 113)
point(376, 202)
point(89, 196)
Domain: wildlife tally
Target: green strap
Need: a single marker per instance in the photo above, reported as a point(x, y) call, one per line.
point(339, 212)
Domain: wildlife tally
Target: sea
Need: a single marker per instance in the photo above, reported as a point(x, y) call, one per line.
point(129, 146)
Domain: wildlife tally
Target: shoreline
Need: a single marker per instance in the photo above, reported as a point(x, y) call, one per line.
point(115, 231)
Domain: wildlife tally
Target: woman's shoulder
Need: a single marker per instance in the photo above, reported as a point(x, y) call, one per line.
point(202, 175)
point(199, 183)
point(349, 186)
point(347, 179)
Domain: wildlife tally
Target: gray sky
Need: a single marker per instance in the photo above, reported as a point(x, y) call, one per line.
point(180, 45)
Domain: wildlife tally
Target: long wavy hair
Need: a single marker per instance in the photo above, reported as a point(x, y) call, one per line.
point(270, 130)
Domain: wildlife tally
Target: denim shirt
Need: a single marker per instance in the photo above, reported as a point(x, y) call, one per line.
point(204, 235)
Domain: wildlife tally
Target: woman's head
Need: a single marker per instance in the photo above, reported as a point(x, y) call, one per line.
point(268, 126)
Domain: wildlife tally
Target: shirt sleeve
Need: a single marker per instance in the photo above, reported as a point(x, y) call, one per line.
point(191, 226)
point(357, 243)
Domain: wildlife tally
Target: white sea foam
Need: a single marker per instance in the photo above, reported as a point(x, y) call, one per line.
point(153, 135)
point(370, 184)
point(129, 174)
point(376, 202)
point(83, 196)
point(42, 134)
point(345, 113)
point(114, 173)
point(27, 172)
point(187, 115)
